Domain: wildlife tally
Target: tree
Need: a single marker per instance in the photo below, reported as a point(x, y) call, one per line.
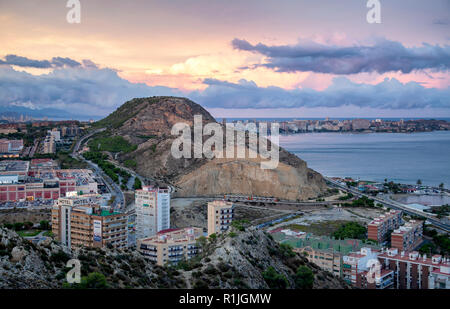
point(44, 225)
point(419, 182)
point(441, 185)
point(137, 184)
point(94, 280)
point(201, 242)
point(18, 226)
point(304, 278)
point(212, 237)
point(27, 225)
point(350, 230)
point(273, 279)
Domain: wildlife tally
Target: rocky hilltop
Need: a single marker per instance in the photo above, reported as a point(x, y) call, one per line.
point(147, 123)
point(242, 260)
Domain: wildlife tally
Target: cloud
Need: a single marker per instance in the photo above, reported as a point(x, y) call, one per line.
point(55, 62)
point(77, 91)
point(87, 91)
point(389, 94)
point(384, 56)
point(441, 21)
point(26, 62)
point(61, 62)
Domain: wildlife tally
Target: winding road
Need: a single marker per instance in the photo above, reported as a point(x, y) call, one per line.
point(119, 201)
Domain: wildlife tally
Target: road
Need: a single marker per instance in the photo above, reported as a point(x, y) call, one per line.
point(119, 202)
point(394, 205)
point(133, 173)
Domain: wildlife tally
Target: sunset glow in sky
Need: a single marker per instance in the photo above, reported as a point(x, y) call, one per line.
point(248, 58)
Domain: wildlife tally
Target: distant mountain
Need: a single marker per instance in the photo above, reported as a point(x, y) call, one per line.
point(50, 113)
point(147, 123)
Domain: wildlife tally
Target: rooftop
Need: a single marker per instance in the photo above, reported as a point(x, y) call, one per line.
point(14, 166)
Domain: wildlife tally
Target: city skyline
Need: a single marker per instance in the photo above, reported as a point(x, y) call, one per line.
point(288, 59)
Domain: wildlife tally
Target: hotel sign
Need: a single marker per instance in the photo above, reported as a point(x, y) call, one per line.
point(97, 230)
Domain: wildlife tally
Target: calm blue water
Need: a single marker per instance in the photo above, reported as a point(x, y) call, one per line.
point(401, 158)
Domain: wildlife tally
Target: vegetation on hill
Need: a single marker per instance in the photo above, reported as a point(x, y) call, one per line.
point(111, 144)
point(124, 112)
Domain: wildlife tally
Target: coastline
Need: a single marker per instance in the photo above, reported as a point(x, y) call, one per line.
point(402, 158)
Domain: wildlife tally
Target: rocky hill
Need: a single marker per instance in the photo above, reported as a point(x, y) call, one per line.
point(147, 123)
point(249, 259)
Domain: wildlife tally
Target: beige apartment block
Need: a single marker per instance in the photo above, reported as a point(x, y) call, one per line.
point(77, 221)
point(220, 216)
point(171, 246)
point(328, 259)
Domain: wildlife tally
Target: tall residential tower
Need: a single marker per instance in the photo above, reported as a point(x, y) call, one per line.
point(152, 211)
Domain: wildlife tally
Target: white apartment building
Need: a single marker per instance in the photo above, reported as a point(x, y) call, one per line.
point(152, 211)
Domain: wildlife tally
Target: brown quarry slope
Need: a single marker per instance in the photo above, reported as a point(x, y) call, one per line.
point(147, 123)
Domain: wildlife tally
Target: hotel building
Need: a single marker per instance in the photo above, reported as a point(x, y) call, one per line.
point(170, 246)
point(152, 211)
point(80, 221)
point(220, 216)
point(380, 227)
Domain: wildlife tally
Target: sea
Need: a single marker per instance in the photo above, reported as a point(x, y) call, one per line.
point(398, 157)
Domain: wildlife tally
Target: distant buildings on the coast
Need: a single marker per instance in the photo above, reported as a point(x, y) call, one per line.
point(357, 125)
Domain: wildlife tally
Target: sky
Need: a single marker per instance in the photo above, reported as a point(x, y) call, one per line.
point(246, 58)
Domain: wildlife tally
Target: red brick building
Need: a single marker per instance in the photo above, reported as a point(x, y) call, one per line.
point(380, 227)
point(413, 271)
point(408, 236)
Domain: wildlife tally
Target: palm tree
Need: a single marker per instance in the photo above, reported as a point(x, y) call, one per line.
point(441, 186)
point(419, 182)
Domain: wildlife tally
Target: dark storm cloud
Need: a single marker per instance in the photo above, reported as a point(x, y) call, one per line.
point(26, 62)
point(60, 62)
point(384, 56)
point(55, 62)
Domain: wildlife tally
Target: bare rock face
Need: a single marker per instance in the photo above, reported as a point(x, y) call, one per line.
point(18, 254)
point(245, 176)
point(147, 123)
